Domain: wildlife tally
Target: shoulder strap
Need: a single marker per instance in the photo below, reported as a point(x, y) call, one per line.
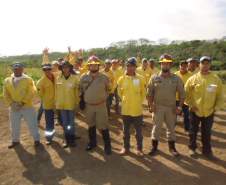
point(89, 85)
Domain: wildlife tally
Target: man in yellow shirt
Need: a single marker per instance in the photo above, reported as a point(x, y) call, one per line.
point(55, 68)
point(117, 72)
point(184, 74)
point(18, 93)
point(107, 71)
point(162, 90)
point(67, 98)
point(131, 90)
point(204, 96)
point(193, 65)
point(144, 70)
point(46, 91)
point(151, 65)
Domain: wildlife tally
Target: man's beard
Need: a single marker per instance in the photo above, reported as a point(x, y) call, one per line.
point(165, 70)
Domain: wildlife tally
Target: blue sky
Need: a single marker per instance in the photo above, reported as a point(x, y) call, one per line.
point(27, 26)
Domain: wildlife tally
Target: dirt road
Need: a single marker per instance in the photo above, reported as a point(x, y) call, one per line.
point(53, 165)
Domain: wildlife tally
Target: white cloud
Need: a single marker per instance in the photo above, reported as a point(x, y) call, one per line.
point(29, 25)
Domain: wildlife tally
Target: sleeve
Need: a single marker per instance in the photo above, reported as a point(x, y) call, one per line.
point(108, 84)
point(119, 87)
point(180, 90)
point(112, 83)
point(188, 92)
point(77, 91)
point(30, 93)
point(219, 96)
point(150, 87)
point(40, 89)
point(6, 95)
point(143, 90)
point(80, 86)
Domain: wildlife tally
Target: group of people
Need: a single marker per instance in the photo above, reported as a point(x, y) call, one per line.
point(193, 92)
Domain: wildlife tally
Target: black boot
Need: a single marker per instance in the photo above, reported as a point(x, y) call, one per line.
point(172, 148)
point(107, 141)
point(13, 144)
point(154, 147)
point(92, 138)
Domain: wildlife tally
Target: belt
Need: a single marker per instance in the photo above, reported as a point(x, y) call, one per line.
point(99, 103)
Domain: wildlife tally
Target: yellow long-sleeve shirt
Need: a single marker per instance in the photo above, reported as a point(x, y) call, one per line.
point(117, 74)
point(23, 92)
point(46, 91)
point(67, 92)
point(205, 93)
point(131, 90)
point(112, 82)
point(145, 73)
point(184, 78)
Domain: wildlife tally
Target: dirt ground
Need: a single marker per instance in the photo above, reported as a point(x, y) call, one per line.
point(53, 165)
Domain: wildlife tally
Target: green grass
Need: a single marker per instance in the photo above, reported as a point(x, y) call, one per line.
point(34, 73)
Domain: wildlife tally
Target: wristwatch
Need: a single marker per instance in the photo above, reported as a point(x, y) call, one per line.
point(179, 108)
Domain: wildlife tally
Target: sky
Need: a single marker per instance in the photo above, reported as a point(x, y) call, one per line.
point(28, 26)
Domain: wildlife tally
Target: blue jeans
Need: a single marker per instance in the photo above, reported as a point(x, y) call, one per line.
point(49, 118)
point(137, 123)
point(68, 117)
point(30, 117)
point(185, 110)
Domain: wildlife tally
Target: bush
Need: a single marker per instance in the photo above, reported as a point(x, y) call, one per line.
point(222, 75)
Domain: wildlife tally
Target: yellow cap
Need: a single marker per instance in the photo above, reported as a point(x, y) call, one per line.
point(93, 62)
point(165, 61)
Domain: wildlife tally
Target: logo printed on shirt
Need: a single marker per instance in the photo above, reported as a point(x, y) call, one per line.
point(211, 88)
point(136, 82)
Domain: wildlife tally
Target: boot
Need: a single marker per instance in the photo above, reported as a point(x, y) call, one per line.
point(107, 141)
point(13, 144)
point(154, 147)
point(92, 138)
point(172, 148)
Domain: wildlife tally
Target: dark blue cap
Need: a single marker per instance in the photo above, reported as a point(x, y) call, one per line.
point(17, 65)
point(132, 61)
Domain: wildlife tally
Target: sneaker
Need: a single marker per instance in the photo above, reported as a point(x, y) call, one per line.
point(48, 142)
point(139, 153)
point(65, 145)
point(174, 153)
point(37, 143)
point(90, 147)
point(192, 153)
point(124, 152)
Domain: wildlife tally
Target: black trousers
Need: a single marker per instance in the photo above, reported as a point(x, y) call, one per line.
point(137, 123)
point(206, 126)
